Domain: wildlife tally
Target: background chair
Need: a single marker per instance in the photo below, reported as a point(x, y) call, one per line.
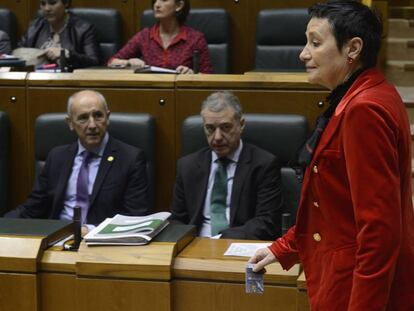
point(108, 27)
point(4, 159)
point(280, 37)
point(215, 24)
point(281, 135)
point(8, 24)
point(135, 129)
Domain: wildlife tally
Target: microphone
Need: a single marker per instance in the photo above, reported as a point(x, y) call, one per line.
point(77, 228)
point(285, 223)
point(196, 61)
point(62, 61)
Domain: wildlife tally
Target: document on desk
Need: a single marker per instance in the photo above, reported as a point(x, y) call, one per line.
point(244, 249)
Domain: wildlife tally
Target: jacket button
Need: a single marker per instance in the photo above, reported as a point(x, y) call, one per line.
point(316, 204)
point(317, 237)
point(315, 169)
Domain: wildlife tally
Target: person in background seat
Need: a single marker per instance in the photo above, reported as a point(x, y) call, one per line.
point(59, 29)
point(168, 44)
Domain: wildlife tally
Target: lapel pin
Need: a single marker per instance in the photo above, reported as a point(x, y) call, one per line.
point(110, 158)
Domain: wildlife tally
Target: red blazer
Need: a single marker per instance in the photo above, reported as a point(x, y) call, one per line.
point(355, 225)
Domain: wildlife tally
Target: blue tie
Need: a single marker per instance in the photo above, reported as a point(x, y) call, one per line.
point(218, 198)
point(82, 193)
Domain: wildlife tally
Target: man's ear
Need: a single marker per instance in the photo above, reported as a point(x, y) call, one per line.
point(69, 122)
point(242, 123)
point(355, 46)
point(108, 113)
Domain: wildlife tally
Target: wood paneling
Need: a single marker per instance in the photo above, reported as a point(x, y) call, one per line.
point(18, 292)
point(209, 296)
point(13, 101)
point(302, 295)
point(216, 282)
point(115, 295)
point(57, 292)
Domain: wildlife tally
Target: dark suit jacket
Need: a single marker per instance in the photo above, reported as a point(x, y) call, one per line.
point(120, 185)
point(256, 198)
point(79, 38)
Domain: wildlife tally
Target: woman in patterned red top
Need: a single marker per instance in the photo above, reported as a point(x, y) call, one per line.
point(168, 44)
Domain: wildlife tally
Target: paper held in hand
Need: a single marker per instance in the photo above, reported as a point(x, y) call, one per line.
point(127, 230)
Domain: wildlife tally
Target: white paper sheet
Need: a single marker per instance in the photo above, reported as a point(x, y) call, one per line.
point(244, 249)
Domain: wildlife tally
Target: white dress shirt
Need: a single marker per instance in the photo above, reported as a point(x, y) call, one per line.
point(231, 169)
point(70, 195)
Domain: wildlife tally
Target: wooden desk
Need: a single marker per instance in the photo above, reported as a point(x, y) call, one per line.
point(107, 278)
point(204, 279)
point(18, 277)
point(135, 278)
point(112, 278)
point(302, 294)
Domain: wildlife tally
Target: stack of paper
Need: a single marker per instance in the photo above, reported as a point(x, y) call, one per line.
point(127, 230)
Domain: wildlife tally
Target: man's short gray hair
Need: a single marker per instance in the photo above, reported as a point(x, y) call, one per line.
point(71, 99)
point(221, 100)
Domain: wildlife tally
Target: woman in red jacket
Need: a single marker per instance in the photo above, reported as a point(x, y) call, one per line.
point(354, 232)
point(168, 44)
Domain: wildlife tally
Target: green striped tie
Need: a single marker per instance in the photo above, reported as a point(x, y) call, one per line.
point(218, 198)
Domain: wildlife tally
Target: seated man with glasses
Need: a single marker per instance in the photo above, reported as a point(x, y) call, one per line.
point(230, 189)
point(98, 173)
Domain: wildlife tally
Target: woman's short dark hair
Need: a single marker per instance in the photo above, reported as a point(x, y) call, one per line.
point(350, 19)
point(183, 13)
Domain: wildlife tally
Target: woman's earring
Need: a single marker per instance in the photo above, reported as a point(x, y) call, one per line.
point(350, 60)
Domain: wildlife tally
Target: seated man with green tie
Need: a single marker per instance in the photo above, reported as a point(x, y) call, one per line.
point(98, 173)
point(230, 189)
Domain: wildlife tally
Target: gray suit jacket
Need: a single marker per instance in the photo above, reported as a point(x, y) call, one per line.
point(256, 198)
point(5, 47)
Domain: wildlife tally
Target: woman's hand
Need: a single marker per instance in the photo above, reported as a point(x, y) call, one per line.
point(51, 54)
point(262, 258)
point(136, 62)
point(117, 62)
point(184, 70)
point(133, 62)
